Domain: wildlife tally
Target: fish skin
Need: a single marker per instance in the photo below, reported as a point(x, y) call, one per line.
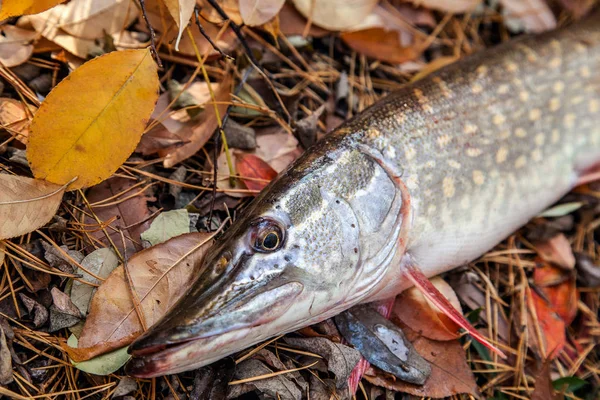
point(481, 146)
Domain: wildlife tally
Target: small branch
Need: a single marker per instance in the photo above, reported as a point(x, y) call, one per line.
point(207, 37)
point(152, 34)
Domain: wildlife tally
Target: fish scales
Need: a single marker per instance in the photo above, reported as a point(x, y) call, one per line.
point(435, 174)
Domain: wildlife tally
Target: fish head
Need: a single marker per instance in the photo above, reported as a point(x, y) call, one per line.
point(289, 260)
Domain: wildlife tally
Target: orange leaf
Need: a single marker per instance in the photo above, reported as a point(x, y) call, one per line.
point(380, 44)
point(549, 335)
point(560, 289)
point(255, 173)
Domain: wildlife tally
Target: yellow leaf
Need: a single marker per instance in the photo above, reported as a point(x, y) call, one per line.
point(92, 121)
point(181, 11)
point(91, 19)
point(26, 204)
point(12, 8)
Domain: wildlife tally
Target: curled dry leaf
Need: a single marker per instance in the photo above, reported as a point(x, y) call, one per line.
point(12, 8)
point(16, 45)
point(450, 373)
point(159, 275)
point(181, 11)
point(91, 19)
point(380, 44)
point(335, 15)
point(531, 15)
point(414, 310)
point(26, 204)
point(15, 118)
point(89, 133)
point(258, 12)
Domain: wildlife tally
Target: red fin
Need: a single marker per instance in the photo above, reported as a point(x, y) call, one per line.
point(417, 277)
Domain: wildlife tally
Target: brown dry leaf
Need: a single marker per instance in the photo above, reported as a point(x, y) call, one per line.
point(381, 44)
point(6, 375)
point(450, 373)
point(277, 147)
point(335, 15)
point(293, 23)
point(12, 8)
point(543, 384)
point(130, 215)
point(414, 310)
point(15, 118)
point(251, 166)
point(258, 12)
point(26, 204)
point(557, 251)
point(205, 127)
point(91, 19)
point(16, 45)
point(181, 11)
point(531, 15)
point(550, 326)
point(454, 6)
point(159, 276)
point(231, 8)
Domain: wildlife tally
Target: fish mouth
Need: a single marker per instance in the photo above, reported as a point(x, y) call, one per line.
point(179, 343)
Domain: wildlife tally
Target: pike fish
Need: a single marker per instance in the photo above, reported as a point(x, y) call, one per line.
point(430, 177)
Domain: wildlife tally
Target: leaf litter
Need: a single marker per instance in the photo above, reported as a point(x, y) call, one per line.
point(533, 294)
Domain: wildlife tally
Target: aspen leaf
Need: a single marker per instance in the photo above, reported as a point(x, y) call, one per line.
point(11, 8)
point(89, 133)
point(181, 11)
point(26, 204)
point(258, 12)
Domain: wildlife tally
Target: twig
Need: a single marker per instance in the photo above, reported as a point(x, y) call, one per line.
point(207, 37)
point(152, 34)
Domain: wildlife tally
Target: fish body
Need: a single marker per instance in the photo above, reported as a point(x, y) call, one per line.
point(436, 173)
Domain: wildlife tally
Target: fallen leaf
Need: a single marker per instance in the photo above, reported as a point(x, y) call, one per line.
point(557, 251)
point(26, 204)
point(254, 172)
point(588, 273)
point(450, 373)
point(159, 276)
point(533, 16)
point(550, 326)
point(306, 128)
point(258, 12)
point(12, 8)
point(126, 385)
point(543, 385)
point(341, 359)
point(6, 375)
point(105, 364)
point(561, 210)
point(205, 127)
point(16, 45)
point(63, 313)
point(279, 386)
point(231, 8)
point(167, 225)
point(14, 118)
point(277, 147)
point(181, 11)
point(240, 136)
point(100, 262)
point(558, 286)
point(35, 309)
point(92, 19)
point(335, 15)
point(425, 318)
point(70, 131)
point(128, 212)
point(381, 44)
point(292, 23)
point(62, 257)
point(455, 6)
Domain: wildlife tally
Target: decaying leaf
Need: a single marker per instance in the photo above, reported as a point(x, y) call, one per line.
point(63, 313)
point(104, 364)
point(14, 118)
point(335, 15)
point(11, 8)
point(529, 15)
point(126, 210)
point(425, 318)
point(255, 173)
point(557, 251)
point(381, 44)
point(455, 6)
point(543, 384)
point(26, 204)
point(340, 358)
point(91, 19)
point(70, 131)
point(101, 263)
point(258, 12)
point(181, 11)
point(35, 309)
point(167, 225)
point(6, 375)
point(16, 45)
point(279, 386)
point(159, 276)
point(450, 373)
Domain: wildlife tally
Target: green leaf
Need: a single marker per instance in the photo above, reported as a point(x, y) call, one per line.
point(573, 383)
point(105, 364)
point(167, 225)
point(561, 209)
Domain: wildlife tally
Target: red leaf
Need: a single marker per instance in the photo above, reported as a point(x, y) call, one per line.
point(551, 327)
point(254, 172)
point(560, 289)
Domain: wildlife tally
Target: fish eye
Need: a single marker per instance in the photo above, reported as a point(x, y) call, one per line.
point(267, 235)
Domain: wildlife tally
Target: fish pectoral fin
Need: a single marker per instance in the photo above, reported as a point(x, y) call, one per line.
point(431, 293)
